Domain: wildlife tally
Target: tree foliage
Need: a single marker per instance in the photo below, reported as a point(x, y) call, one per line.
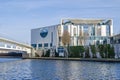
point(93, 49)
point(87, 54)
point(76, 51)
point(100, 49)
point(65, 38)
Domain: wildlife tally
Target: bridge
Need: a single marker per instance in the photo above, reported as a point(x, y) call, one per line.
point(8, 46)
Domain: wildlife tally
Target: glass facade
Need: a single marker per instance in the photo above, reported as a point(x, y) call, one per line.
point(107, 30)
point(91, 33)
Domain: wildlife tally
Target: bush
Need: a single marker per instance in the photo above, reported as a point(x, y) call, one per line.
point(100, 49)
point(76, 51)
point(56, 54)
point(106, 51)
point(47, 53)
point(111, 53)
point(87, 55)
point(93, 50)
point(82, 50)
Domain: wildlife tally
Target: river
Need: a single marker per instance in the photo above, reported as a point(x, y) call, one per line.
point(35, 69)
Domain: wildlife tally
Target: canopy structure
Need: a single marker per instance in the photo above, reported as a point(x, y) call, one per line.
point(86, 21)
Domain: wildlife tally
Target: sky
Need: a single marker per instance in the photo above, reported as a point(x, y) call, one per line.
point(18, 17)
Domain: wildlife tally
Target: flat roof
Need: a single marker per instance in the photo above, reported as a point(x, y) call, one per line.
point(46, 27)
point(86, 21)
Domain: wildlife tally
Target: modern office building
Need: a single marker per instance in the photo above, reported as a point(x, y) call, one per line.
point(45, 37)
point(81, 31)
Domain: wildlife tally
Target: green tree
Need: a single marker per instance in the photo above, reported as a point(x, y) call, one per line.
point(82, 50)
point(100, 48)
point(106, 50)
point(111, 53)
point(66, 41)
point(76, 51)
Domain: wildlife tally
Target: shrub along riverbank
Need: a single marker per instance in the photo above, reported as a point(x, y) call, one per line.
point(91, 51)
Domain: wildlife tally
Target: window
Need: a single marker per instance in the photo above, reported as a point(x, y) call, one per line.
point(107, 30)
point(98, 31)
point(85, 27)
point(65, 27)
point(74, 31)
point(39, 45)
point(2, 44)
point(8, 46)
point(51, 36)
point(93, 31)
point(14, 46)
point(50, 44)
point(34, 45)
point(60, 39)
point(45, 44)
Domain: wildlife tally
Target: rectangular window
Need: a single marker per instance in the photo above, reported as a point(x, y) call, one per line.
point(107, 30)
point(65, 27)
point(39, 45)
point(8, 46)
point(60, 39)
point(34, 45)
point(45, 44)
point(14, 46)
point(2, 44)
point(50, 44)
point(51, 36)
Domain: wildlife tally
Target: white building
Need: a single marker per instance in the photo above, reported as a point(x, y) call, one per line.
point(82, 32)
point(45, 37)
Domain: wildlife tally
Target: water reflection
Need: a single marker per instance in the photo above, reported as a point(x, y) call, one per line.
point(58, 70)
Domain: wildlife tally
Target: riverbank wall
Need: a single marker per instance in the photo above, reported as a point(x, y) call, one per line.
point(75, 59)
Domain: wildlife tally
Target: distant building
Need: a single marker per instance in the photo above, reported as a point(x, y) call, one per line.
point(82, 32)
point(115, 39)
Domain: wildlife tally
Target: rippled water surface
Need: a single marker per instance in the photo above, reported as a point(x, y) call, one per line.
point(35, 69)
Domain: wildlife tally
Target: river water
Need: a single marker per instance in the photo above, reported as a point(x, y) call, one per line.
point(35, 69)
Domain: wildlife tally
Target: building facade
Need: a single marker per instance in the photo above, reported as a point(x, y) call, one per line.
point(116, 39)
point(45, 37)
point(81, 31)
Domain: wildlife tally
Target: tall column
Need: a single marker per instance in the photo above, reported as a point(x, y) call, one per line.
point(111, 27)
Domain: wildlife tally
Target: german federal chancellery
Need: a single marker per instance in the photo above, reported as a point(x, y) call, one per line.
point(95, 31)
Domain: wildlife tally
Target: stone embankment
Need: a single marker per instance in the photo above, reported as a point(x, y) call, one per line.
point(75, 59)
